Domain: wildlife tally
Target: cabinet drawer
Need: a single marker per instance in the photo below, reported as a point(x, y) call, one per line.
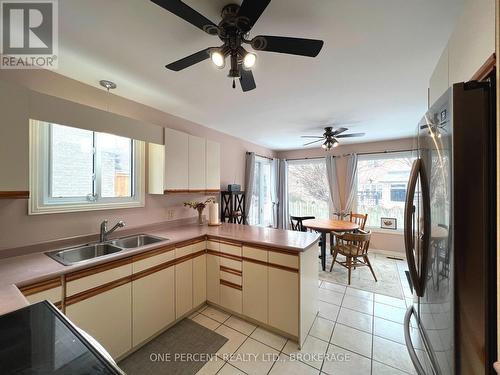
point(230, 249)
point(183, 251)
point(93, 277)
point(231, 298)
point(213, 245)
point(286, 260)
point(153, 260)
point(231, 277)
point(231, 263)
point(253, 253)
point(50, 290)
point(199, 246)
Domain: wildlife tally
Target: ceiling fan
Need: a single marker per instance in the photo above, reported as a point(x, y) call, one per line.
point(330, 137)
point(233, 30)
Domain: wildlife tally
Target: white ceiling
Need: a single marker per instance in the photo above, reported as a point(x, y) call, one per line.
point(373, 71)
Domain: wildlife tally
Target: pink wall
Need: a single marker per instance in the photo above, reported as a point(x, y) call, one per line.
point(19, 229)
point(382, 240)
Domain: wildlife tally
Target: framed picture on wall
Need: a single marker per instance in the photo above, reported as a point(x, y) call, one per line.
point(388, 223)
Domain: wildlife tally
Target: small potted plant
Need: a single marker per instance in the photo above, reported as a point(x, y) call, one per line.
point(199, 206)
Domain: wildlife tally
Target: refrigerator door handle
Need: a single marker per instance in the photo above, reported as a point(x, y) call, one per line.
point(408, 231)
point(409, 345)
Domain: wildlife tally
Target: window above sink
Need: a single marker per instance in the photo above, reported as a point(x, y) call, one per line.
point(75, 169)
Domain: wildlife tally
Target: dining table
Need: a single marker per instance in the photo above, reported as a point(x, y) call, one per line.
point(325, 226)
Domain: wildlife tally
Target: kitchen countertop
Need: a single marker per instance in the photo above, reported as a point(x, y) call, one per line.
point(33, 267)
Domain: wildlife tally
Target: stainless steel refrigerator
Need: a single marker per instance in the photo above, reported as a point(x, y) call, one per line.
point(450, 235)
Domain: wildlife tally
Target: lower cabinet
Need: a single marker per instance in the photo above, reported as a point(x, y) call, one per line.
point(153, 305)
point(183, 287)
point(255, 291)
point(231, 297)
point(284, 300)
point(107, 317)
point(213, 286)
point(199, 280)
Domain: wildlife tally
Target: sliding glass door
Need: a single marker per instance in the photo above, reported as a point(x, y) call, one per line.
point(261, 212)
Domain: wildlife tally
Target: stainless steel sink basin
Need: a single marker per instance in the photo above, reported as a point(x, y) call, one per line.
point(138, 240)
point(84, 253)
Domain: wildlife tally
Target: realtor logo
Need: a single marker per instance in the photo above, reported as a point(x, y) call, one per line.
point(28, 34)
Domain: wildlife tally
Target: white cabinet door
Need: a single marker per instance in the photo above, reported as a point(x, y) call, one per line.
point(153, 305)
point(156, 167)
point(284, 300)
point(183, 287)
point(107, 317)
point(197, 163)
point(199, 280)
point(213, 266)
point(255, 291)
point(176, 160)
point(231, 298)
point(213, 165)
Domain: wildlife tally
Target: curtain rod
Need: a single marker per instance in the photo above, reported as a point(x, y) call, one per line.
point(260, 156)
point(357, 153)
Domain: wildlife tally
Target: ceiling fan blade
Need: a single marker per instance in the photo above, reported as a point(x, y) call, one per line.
point(339, 130)
point(246, 80)
point(188, 14)
point(310, 143)
point(250, 11)
point(350, 135)
point(186, 62)
point(282, 44)
point(312, 136)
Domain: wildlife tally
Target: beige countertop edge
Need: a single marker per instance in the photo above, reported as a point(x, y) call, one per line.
point(31, 268)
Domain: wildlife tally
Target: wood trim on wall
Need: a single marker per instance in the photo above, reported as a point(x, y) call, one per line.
point(21, 194)
point(97, 290)
point(97, 269)
point(41, 286)
point(231, 285)
point(486, 69)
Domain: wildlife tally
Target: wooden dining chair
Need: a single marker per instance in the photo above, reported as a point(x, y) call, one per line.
point(359, 219)
point(296, 222)
point(354, 246)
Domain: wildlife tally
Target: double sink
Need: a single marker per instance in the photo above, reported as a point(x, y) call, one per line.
point(80, 254)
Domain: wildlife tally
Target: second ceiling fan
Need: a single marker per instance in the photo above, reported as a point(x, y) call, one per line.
point(233, 30)
point(330, 137)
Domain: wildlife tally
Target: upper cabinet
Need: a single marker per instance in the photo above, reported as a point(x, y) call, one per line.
point(213, 165)
point(186, 163)
point(176, 160)
point(197, 163)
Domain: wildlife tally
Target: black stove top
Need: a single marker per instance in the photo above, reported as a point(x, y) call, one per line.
point(38, 339)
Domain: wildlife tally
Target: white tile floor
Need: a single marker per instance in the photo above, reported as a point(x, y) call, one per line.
point(355, 332)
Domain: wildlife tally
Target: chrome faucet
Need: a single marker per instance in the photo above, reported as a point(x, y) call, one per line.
point(105, 232)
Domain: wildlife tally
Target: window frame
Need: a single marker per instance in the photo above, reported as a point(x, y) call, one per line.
point(382, 156)
point(311, 161)
point(41, 201)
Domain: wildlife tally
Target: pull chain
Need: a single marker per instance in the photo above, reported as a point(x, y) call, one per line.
point(234, 84)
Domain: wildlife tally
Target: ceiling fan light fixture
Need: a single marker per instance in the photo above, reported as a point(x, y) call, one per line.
point(335, 143)
point(218, 59)
point(249, 60)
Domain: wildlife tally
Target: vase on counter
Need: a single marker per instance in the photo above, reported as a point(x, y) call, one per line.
point(200, 216)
